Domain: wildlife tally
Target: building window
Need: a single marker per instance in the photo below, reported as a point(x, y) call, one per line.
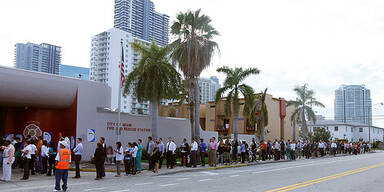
point(351, 129)
point(346, 129)
point(336, 128)
point(360, 129)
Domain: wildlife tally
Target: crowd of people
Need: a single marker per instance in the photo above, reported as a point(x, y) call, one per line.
point(37, 156)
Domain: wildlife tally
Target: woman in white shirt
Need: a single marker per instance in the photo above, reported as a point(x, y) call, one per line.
point(134, 150)
point(44, 156)
point(119, 157)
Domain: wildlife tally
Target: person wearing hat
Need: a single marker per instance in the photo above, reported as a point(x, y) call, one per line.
point(8, 158)
point(63, 158)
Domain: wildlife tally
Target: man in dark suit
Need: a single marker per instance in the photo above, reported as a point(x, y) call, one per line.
point(102, 141)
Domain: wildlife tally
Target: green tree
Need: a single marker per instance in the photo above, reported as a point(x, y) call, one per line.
point(192, 51)
point(320, 134)
point(153, 79)
point(259, 114)
point(303, 107)
point(233, 86)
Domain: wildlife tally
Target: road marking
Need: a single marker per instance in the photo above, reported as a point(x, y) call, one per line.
point(234, 175)
point(209, 173)
point(39, 187)
point(181, 179)
point(143, 184)
point(125, 190)
point(327, 178)
point(94, 189)
point(171, 184)
point(205, 180)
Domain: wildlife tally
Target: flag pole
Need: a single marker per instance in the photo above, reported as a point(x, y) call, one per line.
point(119, 100)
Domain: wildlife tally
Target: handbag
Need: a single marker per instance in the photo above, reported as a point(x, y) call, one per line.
point(93, 160)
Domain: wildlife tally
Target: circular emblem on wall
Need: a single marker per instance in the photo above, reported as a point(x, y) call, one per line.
point(33, 130)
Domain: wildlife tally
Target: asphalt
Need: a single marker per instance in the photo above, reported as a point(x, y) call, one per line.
point(348, 173)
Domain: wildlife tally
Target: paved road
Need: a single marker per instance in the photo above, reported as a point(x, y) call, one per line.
point(350, 173)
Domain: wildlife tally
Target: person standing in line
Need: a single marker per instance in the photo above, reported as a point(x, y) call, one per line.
point(161, 151)
point(235, 144)
point(102, 141)
point(243, 152)
point(33, 156)
point(139, 155)
point(134, 150)
point(99, 160)
point(63, 158)
point(263, 150)
point(220, 152)
point(44, 157)
point(194, 149)
point(150, 147)
point(203, 150)
point(333, 148)
point(253, 149)
point(155, 156)
point(8, 159)
point(293, 150)
point(276, 148)
point(211, 153)
point(282, 149)
point(119, 154)
point(127, 159)
point(288, 150)
point(26, 159)
point(184, 152)
point(51, 158)
point(227, 152)
point(321, 148)
point(39, 162)
point(170, 150)
point(78, 150)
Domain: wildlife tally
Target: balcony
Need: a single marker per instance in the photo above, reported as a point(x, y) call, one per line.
point(251, 128)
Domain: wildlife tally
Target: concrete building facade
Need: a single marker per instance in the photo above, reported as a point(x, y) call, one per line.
point(350, 131)
point(353, 104)
point(213, 118)
point(42, 58)
point(140, 18)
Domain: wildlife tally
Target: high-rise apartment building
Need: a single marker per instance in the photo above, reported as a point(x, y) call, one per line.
point(208, 88)
point(140, 18)
point(353, 104)
point(105, 66)
point(43, 58)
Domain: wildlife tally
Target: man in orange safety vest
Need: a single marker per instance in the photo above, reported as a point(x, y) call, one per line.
point(63, 158)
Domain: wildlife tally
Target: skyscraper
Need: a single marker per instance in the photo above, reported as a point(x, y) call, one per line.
point(105, 63)
point(208, 88)
point(140, 18)
point(43, 58)
point(353, 104)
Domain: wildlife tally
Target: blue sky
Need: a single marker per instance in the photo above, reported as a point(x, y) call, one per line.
point(323, 43)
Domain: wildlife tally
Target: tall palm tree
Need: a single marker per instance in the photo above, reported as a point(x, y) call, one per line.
point(295, 118)
point(258, 114)
point(233, 86)
point(303, 106)
point(153, 79)
point(192, 50)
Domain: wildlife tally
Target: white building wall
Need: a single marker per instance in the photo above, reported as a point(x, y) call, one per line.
point(351, 132)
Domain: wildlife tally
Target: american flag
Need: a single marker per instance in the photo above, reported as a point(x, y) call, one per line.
point(122, 65)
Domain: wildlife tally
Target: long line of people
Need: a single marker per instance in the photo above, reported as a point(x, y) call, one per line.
point(37, 156)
